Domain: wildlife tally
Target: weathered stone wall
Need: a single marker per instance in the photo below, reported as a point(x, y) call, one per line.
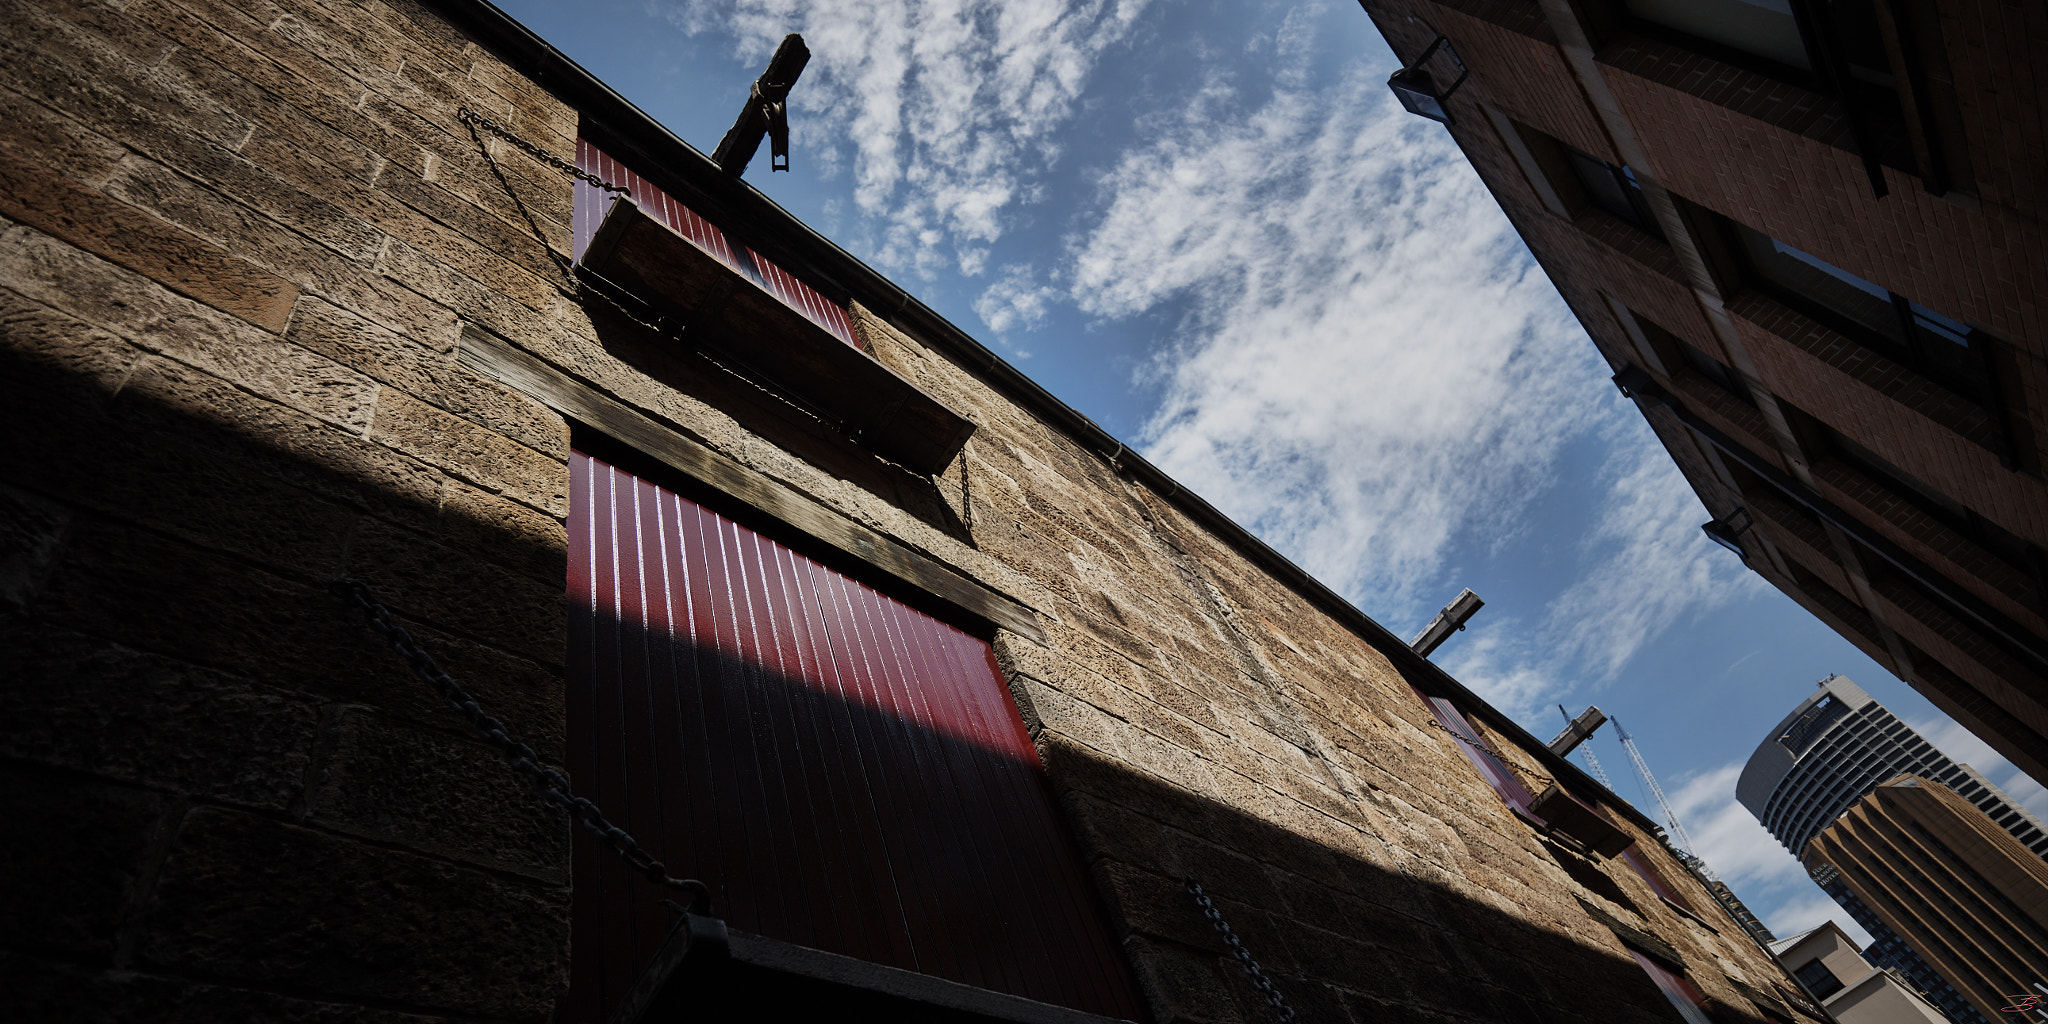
point(241, 241)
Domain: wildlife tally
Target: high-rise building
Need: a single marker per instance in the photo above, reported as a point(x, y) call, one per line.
point(1968, 896)
point(1837, 745)
point(1808, 238)
point(1889, 951)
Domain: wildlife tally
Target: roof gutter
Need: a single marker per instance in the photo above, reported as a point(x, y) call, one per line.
point(793, 244)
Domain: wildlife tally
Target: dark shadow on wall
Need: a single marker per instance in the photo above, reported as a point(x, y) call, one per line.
point(227, 799)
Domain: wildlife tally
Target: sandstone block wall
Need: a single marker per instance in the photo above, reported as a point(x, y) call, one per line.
point(239, 244)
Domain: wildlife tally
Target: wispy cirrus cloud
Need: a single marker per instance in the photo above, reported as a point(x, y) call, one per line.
point(1373, 375)
point(1370, 364)
point(954, 109)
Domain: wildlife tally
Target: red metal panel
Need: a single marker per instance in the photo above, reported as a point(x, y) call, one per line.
point(591, 203)
point(846, 772)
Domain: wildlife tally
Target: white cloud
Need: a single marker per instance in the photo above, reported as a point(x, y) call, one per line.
point(1769, 880)
point(1659, 569)
point(1372, 373)
point(1806, 912)
point(1372, 365)
point(1727, 836)
point(1016, 300)
point(952, 107)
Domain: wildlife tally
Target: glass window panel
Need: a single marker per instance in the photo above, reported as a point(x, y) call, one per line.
point(1764, 28)
point(1612, 188)
point(1818, 979)
point(1600, 183)
point(1940, 326)
point(1821, 282)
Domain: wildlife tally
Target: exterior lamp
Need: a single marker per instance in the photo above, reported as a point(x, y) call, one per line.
point(1727, 531)
point(1417, 91)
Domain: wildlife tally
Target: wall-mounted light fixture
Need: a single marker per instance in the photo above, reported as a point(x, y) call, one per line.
point(1417, 91)
point(1727, 531)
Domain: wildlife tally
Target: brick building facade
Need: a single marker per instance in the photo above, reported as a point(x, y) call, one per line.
point(276, 314)
point(1809, 241)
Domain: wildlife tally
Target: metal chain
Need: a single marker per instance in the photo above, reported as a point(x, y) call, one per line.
point(550, 783)
point(1264, 984)
point(1479, 744)
point(472, 117)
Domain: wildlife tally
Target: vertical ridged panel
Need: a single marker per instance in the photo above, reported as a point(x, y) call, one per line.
point(847, 773)
point(591, 203)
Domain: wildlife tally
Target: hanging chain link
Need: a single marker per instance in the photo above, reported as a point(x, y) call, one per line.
point(548, 782)
point(1478, 744)
point(472, 117)
point(1281, 1010)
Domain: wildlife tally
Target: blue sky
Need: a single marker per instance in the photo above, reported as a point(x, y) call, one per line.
point(1209, 227)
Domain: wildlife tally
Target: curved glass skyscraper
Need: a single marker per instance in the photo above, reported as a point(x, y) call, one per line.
point(1836, 746)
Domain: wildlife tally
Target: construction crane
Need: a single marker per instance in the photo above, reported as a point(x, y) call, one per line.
point(1678, 837)
point(1591, 761)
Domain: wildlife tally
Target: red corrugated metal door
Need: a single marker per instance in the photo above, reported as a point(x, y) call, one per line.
point(846, 773)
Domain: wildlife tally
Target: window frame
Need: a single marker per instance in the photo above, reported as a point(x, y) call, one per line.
point(1980, 375)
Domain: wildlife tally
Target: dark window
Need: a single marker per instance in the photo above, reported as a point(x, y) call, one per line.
point(1818, 979)
point(1939, 346)
point(1827, 711)
point(1965, 361)
point(2024, 556)
point(1613, 189)
point(1765, 30)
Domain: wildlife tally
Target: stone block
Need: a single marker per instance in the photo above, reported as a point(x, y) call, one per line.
point(104, 295)
point(72, 853)
point(34, 132)
point(31, 530)
point(178, 402)
point(1149, 903)
point(108, 26)
point(71, 355)
point(244, 898)
point(101, 709)
point(425, 580)
point(106, 89)
point(147, 245)
point(1182, 984)
point(203, 493)
point(505, 532)
point(435, 792)
point(420, 272)
point(66, 993)
point(145, 591)
point(427, 374)
point(470, 452)
point(275, 237)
